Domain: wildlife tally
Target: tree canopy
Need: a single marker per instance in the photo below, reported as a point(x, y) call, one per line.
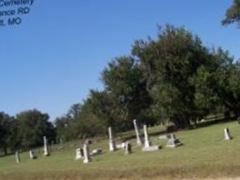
point(232, 14)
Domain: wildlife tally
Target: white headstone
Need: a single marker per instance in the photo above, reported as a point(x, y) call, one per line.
point(139, 140)
point(79, 154)
point(128, 148)
point(87, 158)
point(17, 157)
point(146, 138)
point(164, 137)
point(173, 142)
point(45, 148)
point(227, 134)
point(120, 146)
point(32, 154)
point(96, 152)
point(151, 148)
point(112, 144)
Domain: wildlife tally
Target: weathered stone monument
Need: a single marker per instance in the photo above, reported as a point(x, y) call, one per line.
point(128, 148)
point(173, 142)
point(164, 137)
point(32, 154)
point(96, 152)
point(17, 157)
point(79, 154)
point(120, 146)
point(112, 143)
point(45, 148)
point(227, 134)
point(139, 140)
point(87, 157)
point(147, 143)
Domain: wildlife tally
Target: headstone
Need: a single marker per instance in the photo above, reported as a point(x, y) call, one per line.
point(17, 157)
point(128, 148)
point(112, 144)
point(45, 148)
point(146, 138)
point(151, 148)
point(227, 134)
point(164, 137)
point(96, 152)
point(86, 158)
point(147, 143)
point(32, 154)
point(79, 154)
point(173, 142)
point(139, 140)
point(120, 146)
point(88, 141)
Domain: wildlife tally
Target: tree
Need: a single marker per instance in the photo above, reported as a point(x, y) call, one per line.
point(219, 85)
point(126, 89)
point(5, 125)
point(169, 63)
point(32, 126)
point(63, 128)
point(233, 14)
point(74, 111)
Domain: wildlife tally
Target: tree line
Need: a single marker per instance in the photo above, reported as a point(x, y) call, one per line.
point(170, 78)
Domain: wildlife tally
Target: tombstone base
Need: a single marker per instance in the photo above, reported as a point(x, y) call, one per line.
point(112, 146)
point(151, 148)
point(86, 161)
point(173, 143)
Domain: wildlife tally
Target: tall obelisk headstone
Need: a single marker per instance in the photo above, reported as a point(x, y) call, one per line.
point(112, 144)
point(86, 155)
point(139, 141)
point(45, 148)
point(146, 138)
point(17, 157)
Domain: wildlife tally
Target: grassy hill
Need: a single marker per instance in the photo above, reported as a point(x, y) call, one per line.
point(205, 154)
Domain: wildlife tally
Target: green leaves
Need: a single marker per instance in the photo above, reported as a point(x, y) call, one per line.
point(233, 14)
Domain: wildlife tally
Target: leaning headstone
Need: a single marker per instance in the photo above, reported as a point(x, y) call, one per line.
point(17, 157)
point(96, 152)
point(146, 138)
point(128, 148)
point(227, 134)
point(139, 140)
point(112, 144)
point(45, 148)
point(32, 154)
point(87, 158)
point(173, 142)
point(79, 154)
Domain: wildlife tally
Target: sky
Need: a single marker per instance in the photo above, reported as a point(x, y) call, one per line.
point(57, 54)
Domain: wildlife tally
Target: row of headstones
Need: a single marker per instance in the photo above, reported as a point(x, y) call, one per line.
point(173, 142)
point(146, 143)
point(85, 155)
point(32, 153)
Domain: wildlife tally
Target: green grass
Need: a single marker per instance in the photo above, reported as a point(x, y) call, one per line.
point(205, 154)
